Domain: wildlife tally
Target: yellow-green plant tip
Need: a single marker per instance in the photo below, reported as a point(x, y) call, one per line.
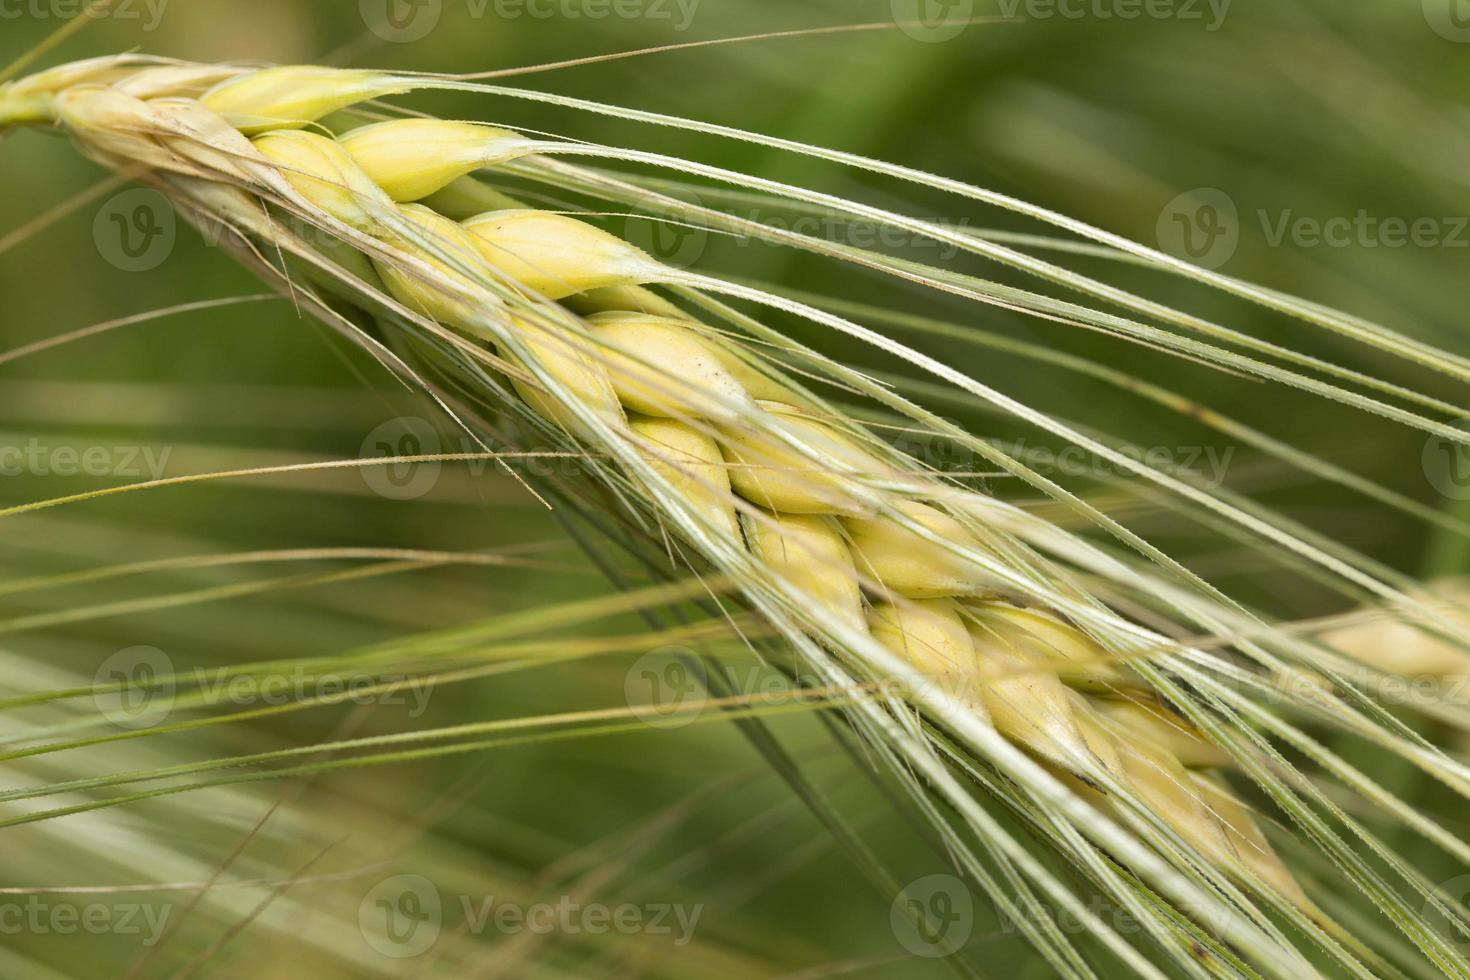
point(1080, 661)
point(662, 367)
point(322, 173)
point(626, 299)
point(411, 159)
point(691, 462)
point(1252, 848)
point(1155, 723)
point(557, 256)
point(294, 96)
point(931, 635)
point(820, 477)
point(1390, 644)
point(810, 553)
point(904, 560)
point(1026, 701)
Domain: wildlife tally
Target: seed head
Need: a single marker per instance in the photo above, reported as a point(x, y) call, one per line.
point(661, 367)
point(1080, 661)
point(294, 96)
point(691, 462)
point(769, 470)
point(915, 566)
point(322, 173)
point(558, 256)
point(810, 553)
point(931, 635)
point(413, 158)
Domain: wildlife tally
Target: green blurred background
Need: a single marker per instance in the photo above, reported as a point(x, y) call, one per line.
point(1284, 110)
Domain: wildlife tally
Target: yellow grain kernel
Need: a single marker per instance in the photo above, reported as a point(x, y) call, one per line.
point(323, 174)
point(912, 565)
point(623, 299)
point(662, 367)
point(1080, 661)
point(442, 244)
point(292, 96)
point(557, 256)
point(413, 158)
point(1026, 701)
point(766, 469)
point(691, 462)
point(809, 552)
point(931, 635)
point(1155, 723)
